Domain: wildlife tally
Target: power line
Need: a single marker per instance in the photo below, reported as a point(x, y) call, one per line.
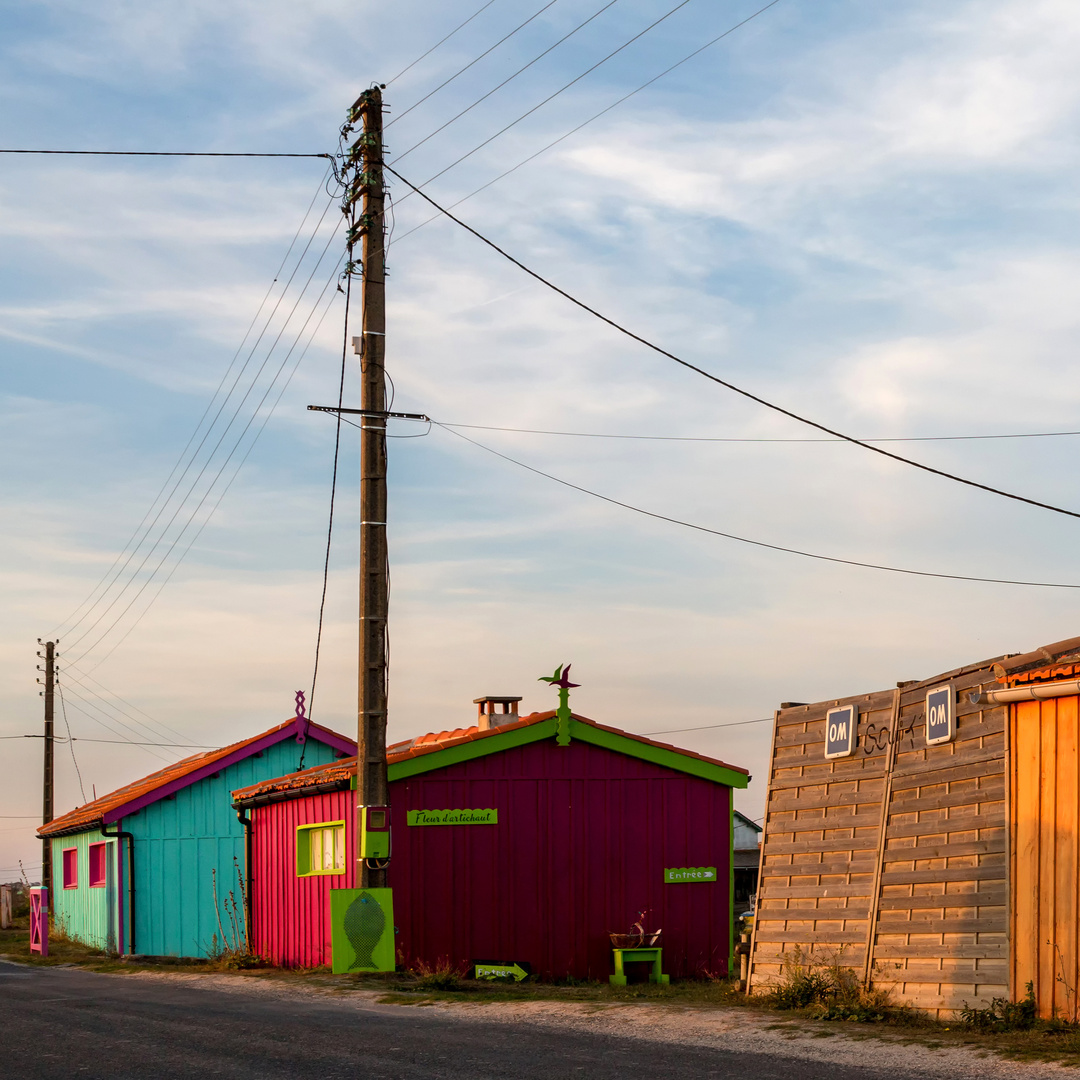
point(119, 742)
point(757, 543)
point(708, 727)
point(596, 116)
point(424, 56)
point(333, 496)
point(206, 435)
point(236, 472)
point(71, 742)
point(723, 382)
point(550, 97)
point(108, 727)
point(162, 153)
point(725, 439)
point(510, 78)
point(206, 411)
point(229, 456)
point(164, 728)
point(461, 71)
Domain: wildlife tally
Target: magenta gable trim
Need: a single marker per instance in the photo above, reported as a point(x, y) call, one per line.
point(320, 734)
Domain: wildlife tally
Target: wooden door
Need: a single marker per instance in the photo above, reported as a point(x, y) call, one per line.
point(1045, 869)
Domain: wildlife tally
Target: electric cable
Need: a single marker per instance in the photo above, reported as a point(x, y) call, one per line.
point(69, 666)
point(93, 703)
point(550, 97)
point(207, 463)
point(71, 743)
point(723, 382)
point(156, 729)
point(161, 153)
point(225, 490)
point(756, 543)
point(333, 495)
point(206, 435)
point(707, 727)
point(510, 78)
point(596, 116)
point(198, 426)
point(460, 26)
point(756, 439)
point(224, 465)
point(477, 60)
point(108, 727)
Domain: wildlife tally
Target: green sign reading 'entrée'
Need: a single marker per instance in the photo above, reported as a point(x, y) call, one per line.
point(689, 873)
point(453, 817)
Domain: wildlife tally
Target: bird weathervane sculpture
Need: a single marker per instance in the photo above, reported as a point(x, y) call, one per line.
point(561, 679)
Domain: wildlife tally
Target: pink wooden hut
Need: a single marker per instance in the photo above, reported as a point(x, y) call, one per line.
point(510, 845)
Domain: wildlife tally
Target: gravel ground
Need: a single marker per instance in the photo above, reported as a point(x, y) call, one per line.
point(730, 1030)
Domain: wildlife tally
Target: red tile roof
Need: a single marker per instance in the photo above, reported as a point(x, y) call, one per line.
point(341, 772)
point(169, 779)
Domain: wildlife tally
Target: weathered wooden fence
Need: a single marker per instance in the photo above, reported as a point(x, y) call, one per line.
point(892, 861)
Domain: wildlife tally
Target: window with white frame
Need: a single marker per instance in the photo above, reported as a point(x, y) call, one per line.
point(320, 848)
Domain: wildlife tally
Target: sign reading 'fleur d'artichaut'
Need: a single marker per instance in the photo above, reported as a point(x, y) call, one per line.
point(453, 817)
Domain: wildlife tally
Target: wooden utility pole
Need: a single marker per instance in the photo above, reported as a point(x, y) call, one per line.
point(367, 182)
point(47, 786)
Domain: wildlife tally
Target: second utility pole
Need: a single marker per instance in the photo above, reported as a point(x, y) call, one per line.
point(372, 788)
point(47, 784)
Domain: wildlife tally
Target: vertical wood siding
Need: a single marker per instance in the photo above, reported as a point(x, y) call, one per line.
point(583, 837)
point(1045, 864)
point(921, 906)
point(181, 842)
point(85, 914)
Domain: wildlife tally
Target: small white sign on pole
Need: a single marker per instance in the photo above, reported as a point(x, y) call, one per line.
point(840, 725)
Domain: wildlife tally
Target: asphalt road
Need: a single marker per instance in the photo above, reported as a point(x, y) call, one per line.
point(63, 1022)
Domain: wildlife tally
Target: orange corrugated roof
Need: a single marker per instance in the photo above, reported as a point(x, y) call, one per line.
point(345, 769)
point(91, 814)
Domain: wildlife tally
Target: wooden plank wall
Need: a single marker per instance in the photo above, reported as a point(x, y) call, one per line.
point(916, 901)
point(820, 842)
point(1045, 856)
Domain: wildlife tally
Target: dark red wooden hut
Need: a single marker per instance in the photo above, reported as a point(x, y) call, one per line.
point(584, 836)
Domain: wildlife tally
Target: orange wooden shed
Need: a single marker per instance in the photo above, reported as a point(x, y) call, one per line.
point(936, 850)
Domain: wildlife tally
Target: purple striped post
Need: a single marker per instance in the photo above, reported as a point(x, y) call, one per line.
point(39, 921)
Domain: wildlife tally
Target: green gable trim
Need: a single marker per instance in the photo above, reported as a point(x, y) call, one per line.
point(470, 751)
point(658, 755)
point(545, 729)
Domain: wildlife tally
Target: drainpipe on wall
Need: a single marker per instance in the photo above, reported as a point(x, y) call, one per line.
point(246, 822)
point(121, 835)
point(1030, 692)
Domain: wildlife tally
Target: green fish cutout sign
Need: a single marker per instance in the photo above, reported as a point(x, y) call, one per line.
point(364, 926)
point(362, 930)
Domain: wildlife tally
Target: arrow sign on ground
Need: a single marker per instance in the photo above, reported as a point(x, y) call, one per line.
point(502, 971)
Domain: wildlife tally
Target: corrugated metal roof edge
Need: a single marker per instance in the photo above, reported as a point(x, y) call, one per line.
point(131, 797)
point(296, 785)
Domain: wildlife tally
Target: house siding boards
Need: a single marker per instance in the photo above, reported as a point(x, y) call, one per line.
point(85, 914)
point(182, 840)
point(185, 833)
point(894, 859)
point(291, 914)
point(1044, 798)
point(583, 837)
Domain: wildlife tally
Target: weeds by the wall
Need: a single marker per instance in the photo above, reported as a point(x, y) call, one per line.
point(829, 989)
point(441, 975)
point(1002, 1014)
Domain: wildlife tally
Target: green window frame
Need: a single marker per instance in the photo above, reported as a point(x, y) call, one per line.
point(320, 849)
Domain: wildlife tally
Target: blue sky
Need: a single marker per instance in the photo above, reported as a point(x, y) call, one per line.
point(866, 213)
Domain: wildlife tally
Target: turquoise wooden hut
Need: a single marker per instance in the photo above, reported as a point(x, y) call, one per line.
point(154, 867)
